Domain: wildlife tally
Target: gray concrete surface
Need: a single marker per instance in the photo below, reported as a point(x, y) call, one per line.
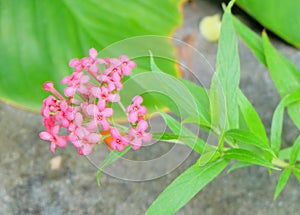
point(29, 186)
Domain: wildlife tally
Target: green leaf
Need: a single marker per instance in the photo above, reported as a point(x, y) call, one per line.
point(296, 172)
point(185, 135)
point(287, 81)
point(283, 72)
point(112, 157)
point(225, 82)
point(277, 120)
point(251, 39)
point(40, 37)
point(185, 187)
point(251, 117)
point(281, 17)
point(208, 157)
point(238, 165)
point(284, 177)
point(295, 152)
point(247, 157)
point(248, 138)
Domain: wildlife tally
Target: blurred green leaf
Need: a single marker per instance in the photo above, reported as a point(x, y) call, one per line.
point(277, 120)
point(112, 157)
point(225, 82)
point(281, 17)
point(251, 117)
point(246, 137)
point(185, 187)
point(38, 38)
point(247, 157)
point(238, 165)
point(285, 75)
point(283, 179)
point(295, 152)
point(185, 135)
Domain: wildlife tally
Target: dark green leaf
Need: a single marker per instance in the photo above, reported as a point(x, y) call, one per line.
point(185, 187)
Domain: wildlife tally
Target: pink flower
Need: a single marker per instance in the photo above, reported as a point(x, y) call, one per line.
point(118, 142)
point(104, 96)
point(52, 135)
point(139, 135)
point(75, 82)
point(48, 86)
point(50, 106)
point(76, 64)
point(135, 109)
point(66, 114)
point(86, 140)
point(114, 82)
point(99, 117)
point(127, 65)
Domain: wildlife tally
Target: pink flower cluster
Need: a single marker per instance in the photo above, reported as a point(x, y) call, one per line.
point(84, 112)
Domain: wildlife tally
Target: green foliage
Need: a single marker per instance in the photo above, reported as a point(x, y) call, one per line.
point(241, 134)
point(38, 38)
point(185, 187)
point(281, 17)
point(225, 82)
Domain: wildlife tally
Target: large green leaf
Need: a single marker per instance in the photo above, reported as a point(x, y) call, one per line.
point(225, 82)
point(185, 187)
point(38, 38)
point(281, 17)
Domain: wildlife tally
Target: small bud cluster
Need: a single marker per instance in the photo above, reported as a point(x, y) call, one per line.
point(84, 111)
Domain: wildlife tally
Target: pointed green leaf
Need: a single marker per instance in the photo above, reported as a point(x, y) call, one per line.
point(283, 179)
point(225, 82)
point(185, 187)
point(112, 157)
point(295, 152)
point(238, 165)
point(251, 117)
point(246, 137)
point(248, 157)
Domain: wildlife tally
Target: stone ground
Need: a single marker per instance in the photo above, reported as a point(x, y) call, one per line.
point(29, 186)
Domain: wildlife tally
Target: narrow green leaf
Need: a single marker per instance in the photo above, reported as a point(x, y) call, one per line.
point(285, 75)
point(284, 177)
point(285, 154)
point(251, 117)
point(277, 120)
point(295, 152)
point(253, 41)
point(247, 156)
point(185, 187)
point(112, 157)
point(225, 82)
point(246, 137)
point(296, 172)
point(238, 165)
point(185, 135)
point(208, 157)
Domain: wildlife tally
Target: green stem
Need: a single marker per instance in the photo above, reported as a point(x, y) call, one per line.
point(280, 163)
